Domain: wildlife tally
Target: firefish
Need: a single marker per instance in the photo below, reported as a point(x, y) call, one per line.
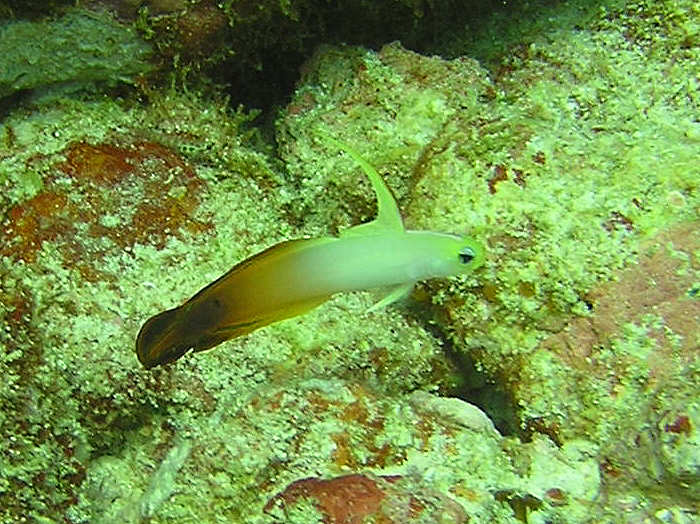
point(295, 276)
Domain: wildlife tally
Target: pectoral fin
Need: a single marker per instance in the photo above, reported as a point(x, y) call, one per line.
point(396, 293)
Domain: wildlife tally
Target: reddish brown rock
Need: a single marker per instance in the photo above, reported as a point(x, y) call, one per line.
point(352, 498)
point(655, 285)
point(102, 195)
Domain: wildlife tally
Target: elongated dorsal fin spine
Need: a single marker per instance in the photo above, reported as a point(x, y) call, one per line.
point(388, 216)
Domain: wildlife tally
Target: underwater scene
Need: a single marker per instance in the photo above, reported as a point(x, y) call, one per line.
point(349, 262)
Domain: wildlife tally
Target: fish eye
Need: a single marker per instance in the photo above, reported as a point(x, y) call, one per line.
point(466, 255)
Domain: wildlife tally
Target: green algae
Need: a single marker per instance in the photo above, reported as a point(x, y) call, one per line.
point(94, 438)
point(79, 47)
point(89, 416)
point(572, 161)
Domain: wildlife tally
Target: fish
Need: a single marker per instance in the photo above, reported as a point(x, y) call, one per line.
point(294, 276)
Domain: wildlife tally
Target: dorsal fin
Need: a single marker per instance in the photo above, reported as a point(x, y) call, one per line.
point(388, 216)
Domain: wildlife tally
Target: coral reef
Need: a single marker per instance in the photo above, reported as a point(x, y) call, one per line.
point(556, 384)
point(549, 170)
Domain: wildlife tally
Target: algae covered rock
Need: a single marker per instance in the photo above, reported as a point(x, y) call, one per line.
point(79, 47)
point(572, 186)
point(557, 384)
